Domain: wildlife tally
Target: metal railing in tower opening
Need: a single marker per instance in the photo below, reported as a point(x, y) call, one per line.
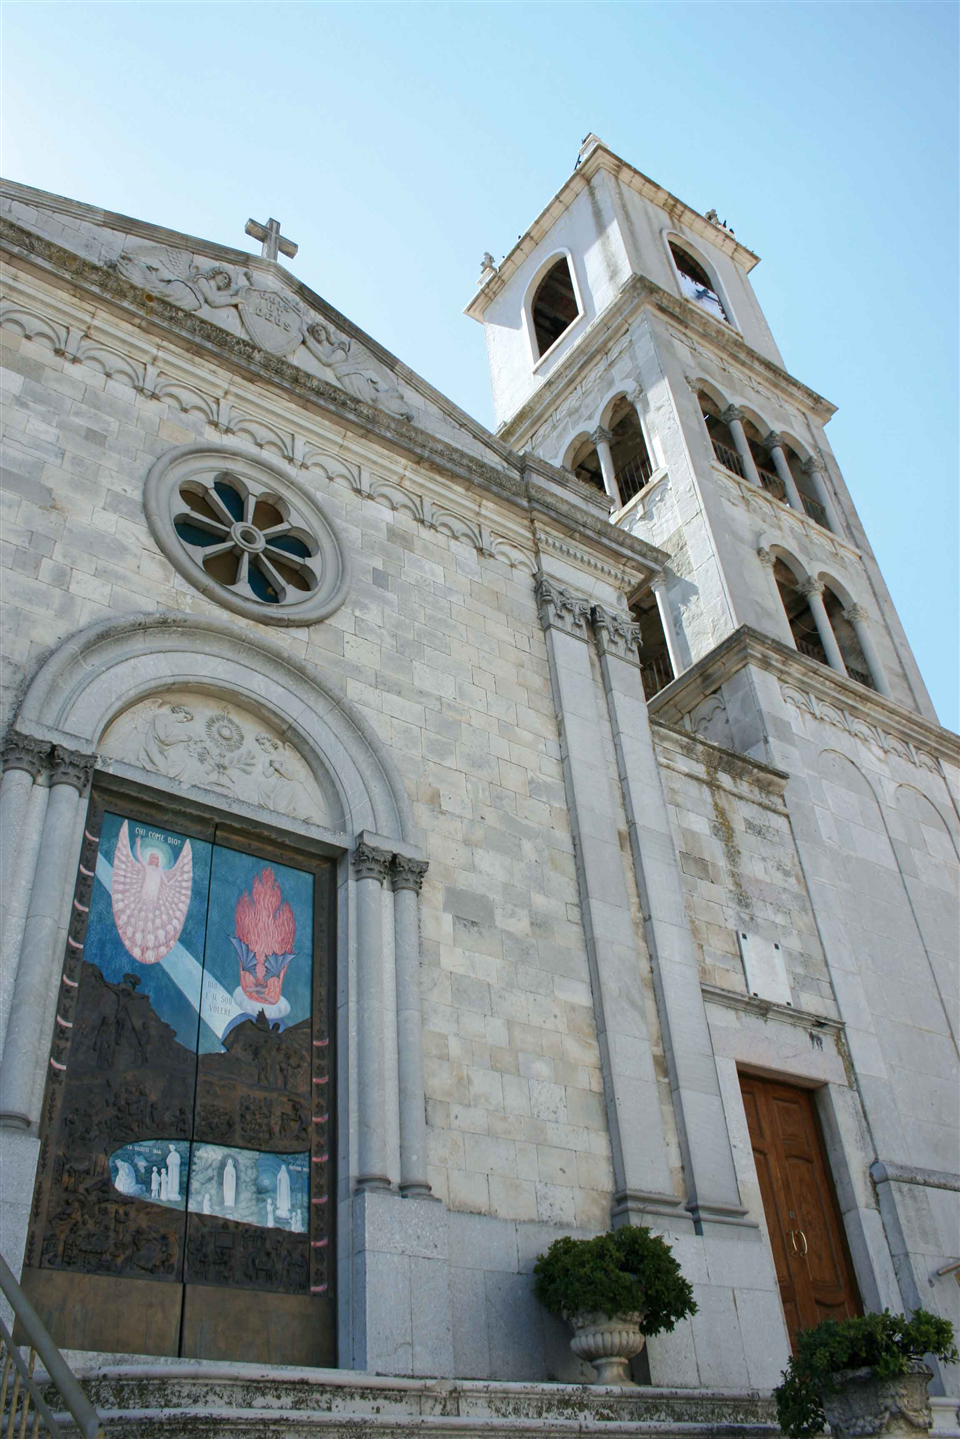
point(24, 1414)
point(632, 477)
point(728, 458)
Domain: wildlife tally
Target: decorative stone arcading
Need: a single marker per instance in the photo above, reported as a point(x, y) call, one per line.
point(811, 586)
point(408, 873)
point(561, 608)
point(72, 767)
point(22, 751)
point(369, 862)
point(614, 634)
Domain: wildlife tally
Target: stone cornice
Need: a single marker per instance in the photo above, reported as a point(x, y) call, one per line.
point(740, 767)
point(529, 483)
point(812, 686)
point(768, 1009)
point(637, 293)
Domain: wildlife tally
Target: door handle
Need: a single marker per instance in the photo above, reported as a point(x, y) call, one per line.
point(802, 1252)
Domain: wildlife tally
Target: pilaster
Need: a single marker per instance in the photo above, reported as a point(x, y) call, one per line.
point(641, 1167)
point(713, 1196)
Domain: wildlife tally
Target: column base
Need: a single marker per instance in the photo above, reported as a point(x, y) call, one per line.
point(373, 1181)
point(705, 1211)
point(635, 1206)
point(416, 1189)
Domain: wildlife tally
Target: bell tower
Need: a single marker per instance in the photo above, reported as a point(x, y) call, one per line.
point(625, 343)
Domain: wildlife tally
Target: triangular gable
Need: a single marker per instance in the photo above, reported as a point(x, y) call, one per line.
point(255, 299)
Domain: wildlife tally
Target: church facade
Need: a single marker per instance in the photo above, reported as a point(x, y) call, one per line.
point(421, 842)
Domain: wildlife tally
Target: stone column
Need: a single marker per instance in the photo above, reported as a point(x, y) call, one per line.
point(815, 470)
point(662, 597)
point(774, 446)
point(640, 1163)
point(733, 419)
point(23, 760)
point(407, 879)
point(713, 1196)
point(812, 589)
point(41, 956)
point(371, 866)
point(601, 439)
point(856, 615)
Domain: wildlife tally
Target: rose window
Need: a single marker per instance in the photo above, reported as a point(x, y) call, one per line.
point(252, 543)
point(246, 534)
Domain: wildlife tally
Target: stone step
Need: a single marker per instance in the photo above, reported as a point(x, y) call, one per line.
point(180, 1401)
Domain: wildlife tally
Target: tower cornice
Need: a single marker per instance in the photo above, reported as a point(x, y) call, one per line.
point(823, 692)
point(641, 293)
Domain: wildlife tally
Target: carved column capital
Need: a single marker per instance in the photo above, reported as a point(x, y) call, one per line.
point(765, 557)
point(812, 466)
point(732, 415)
point(22, 751)
point(811, 586)
point(635, 395)
point(561, 608)
point(772, 441)
point(600, 436)
point(856, 614)
point(72, 767)
point(408, 873)
point(615, 634)
point(370, 862)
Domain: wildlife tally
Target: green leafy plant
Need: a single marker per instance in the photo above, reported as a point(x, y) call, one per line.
point(886, 1343)
point(631, 1271)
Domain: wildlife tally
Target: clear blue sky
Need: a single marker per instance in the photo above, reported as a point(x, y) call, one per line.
point(397, 142)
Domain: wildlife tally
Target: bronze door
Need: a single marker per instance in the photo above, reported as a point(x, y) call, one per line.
point(806, 1231)
point(185, 1186)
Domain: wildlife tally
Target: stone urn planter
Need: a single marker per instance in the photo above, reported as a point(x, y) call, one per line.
point(608, 1342)
point(863, 1376)
point(857, 1403)
point(606, 1287)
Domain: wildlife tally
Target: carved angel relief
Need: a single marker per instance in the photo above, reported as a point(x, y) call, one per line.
point(199, 741)
point(273, 321)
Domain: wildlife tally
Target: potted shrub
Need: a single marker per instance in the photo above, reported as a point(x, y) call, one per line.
point(862, 1376)
point(614, 1291)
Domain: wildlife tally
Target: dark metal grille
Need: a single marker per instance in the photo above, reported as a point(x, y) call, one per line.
point(772, 484)
point(728, 458)
point(815, 510)
point(656, 673)
point(632, 477)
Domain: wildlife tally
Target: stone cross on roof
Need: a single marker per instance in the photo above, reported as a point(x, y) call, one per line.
point(272, 240)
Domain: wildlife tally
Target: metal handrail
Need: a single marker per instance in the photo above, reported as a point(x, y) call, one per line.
point(61, 1375)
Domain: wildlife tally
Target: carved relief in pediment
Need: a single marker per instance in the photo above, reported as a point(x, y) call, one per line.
point(198, 740)
point(274, 321)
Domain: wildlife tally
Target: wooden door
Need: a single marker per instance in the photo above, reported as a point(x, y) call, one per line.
point(184, 1192)
point(806, 1231)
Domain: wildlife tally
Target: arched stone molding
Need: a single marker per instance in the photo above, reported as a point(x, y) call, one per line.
point(571, 449)
point(100, 672)
point(699, 383)
point(827, 578)
point(666, 235)
point(561, 253)
point(97, 676)
point(801, 450)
